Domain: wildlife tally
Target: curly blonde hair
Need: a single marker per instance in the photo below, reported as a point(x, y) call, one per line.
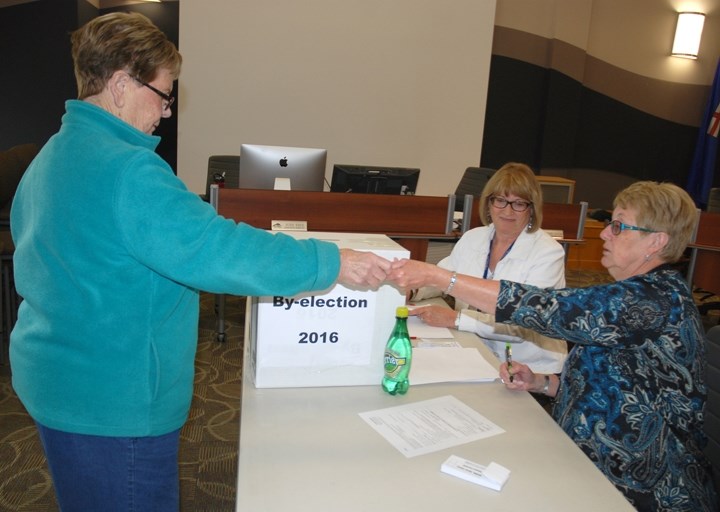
point(662, 207)
point(120, 41)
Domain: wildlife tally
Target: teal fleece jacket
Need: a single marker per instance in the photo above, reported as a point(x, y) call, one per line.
point(111, 252)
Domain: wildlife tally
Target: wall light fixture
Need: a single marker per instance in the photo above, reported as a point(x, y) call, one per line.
point(687, 34)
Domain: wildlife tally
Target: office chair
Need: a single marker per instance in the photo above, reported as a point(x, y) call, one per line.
point(224, 168)
point(473, 182)
point(714, 200)
point(712, 407)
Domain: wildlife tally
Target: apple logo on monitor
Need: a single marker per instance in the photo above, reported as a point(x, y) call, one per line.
point(283, 162)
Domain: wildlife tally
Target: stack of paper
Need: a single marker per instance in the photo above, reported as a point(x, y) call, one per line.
point(442, 364)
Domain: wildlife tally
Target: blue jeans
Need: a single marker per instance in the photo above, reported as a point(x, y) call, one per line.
point(113, 474)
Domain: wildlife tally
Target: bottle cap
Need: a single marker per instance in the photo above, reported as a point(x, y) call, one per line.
point(401, 312)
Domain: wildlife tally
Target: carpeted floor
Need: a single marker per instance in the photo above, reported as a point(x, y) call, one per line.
point(209, 440)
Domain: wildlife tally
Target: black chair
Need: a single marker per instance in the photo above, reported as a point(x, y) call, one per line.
point(712, 407)
point(222, 169)
point(473, 182)
point(13, 163)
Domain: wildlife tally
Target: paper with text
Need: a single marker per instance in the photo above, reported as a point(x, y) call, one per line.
point(430, 425)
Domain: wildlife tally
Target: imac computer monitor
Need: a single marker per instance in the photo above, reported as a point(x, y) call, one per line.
point(361, 179)
point(279, 167)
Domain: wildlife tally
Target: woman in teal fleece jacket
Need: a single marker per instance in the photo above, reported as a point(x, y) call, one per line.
point(111, 252)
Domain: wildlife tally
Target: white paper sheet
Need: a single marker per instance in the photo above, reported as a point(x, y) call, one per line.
point(418, 329)
point(442, 364)
point(430, 425)
point(435, 343)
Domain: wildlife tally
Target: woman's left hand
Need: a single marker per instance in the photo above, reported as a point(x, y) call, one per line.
point(523, 378)
point(437, 316)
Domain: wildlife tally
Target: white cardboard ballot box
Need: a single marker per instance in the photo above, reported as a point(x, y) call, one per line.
point(334, 337)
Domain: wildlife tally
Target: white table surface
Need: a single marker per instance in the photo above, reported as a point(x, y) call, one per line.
point(307, 449)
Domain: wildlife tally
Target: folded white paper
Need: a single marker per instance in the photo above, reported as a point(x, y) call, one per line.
point(493, 476)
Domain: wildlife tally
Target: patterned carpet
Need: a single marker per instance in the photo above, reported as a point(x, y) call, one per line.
point(209, 440)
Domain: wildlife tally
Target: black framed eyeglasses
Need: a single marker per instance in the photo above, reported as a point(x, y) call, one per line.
point(168, 100)
point(518, 205)
point(617, 227)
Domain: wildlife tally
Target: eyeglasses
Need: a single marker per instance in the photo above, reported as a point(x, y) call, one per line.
point(518, 205)
point(168, 100)
point(617, 227)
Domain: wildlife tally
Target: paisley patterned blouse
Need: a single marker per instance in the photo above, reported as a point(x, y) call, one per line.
point(632, 390)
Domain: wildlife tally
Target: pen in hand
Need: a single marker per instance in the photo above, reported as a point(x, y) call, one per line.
point(508, 359)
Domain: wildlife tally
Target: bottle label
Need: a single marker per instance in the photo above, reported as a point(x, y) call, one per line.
point(394, 364)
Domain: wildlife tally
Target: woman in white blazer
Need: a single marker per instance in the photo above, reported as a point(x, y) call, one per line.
point(509, 246)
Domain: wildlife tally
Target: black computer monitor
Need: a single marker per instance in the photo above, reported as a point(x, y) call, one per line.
point(261, 165)
point(363, 179)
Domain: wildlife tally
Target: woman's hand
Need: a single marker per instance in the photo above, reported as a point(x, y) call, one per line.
point(437, 316)
point(411, 274)
point(359, 268)
point(523, 378)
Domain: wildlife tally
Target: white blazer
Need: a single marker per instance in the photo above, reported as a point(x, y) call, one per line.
point(536, 259)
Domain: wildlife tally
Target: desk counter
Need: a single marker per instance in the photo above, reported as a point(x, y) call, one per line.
point(307, 449)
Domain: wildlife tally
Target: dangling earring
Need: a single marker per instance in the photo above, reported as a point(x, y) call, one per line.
point(530, 224)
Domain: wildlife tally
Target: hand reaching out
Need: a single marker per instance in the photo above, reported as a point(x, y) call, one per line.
point(362, 268)
point(411, 274)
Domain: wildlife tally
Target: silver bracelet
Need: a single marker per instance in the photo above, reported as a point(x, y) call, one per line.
point(453, 278)
point(546, 387)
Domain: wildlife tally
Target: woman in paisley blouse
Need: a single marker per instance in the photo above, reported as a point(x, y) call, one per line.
point(632, 390)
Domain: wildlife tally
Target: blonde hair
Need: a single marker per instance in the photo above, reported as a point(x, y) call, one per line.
point(662, 207)
point(516, 179)
point(120, 41)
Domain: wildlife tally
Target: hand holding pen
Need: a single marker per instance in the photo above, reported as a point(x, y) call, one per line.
point(522, 377)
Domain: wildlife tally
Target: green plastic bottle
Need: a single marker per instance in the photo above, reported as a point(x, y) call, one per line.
point(398, 356)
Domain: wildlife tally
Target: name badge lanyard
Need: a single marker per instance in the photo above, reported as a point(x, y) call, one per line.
point(487, 262)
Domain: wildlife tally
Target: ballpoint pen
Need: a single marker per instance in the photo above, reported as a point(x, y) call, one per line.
point(508, 359)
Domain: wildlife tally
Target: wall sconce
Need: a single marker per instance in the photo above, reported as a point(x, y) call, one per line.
point(687, 34)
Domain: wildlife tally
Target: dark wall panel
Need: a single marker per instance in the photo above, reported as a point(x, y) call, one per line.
point(514, 115)
point(37, 71)
point(562, 121)
point(619, 138)
point(37, 75)
point(548, 120)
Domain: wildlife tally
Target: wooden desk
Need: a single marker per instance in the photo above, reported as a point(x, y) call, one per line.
point(587, 256)
point(409, 220)
point(705, 253)
point(308, 450)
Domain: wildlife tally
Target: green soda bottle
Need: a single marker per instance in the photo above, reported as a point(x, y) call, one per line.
point(398, 356)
